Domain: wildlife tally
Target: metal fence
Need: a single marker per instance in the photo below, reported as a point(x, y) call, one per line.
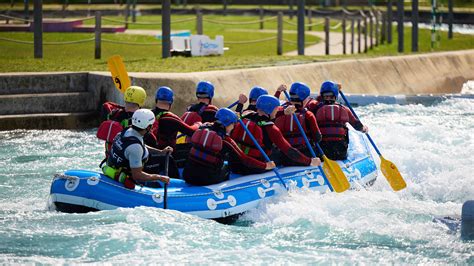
point(365, 28)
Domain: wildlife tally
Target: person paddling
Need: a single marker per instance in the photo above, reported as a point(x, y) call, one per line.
point(129, 153)
point(299, 97)
point(167, 125)
point(211, 145)
point(203, 111)
point(119, 117)
point(261, 126)
point(332, 118)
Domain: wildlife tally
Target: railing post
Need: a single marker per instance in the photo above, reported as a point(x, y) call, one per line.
point(224, 7)
point(280, 33)
point(365, 28)
point(166, 28)
point(134, 11)
point(371, 30)
point(290, 7)
point(127, 13)
point(383, 32)
point(301, 17)
point(389, 21)
point(64, 8)
point(27, 10)
point(199, 22)
point(326, 30)
point(450, 19)
point(366, 35)
point(414, 26)
point(359, 41)
point(400, 9)
point(377, 28)
point(98, 31)
point(261, 14)
point(38, 28)
point(352, 36)
point(310, 18)
point(344, 35)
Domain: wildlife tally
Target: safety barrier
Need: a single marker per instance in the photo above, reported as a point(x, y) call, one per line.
point(366, 23)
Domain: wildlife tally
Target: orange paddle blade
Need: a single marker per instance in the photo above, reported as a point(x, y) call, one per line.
point(119, 73)
point(335, 176)
point(391, 173)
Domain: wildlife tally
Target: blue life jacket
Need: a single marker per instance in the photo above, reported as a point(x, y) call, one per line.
point(117, 158)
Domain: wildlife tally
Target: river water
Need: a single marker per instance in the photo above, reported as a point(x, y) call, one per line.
point(432, 146)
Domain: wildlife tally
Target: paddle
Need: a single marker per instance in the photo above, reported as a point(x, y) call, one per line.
point(331, 170)
point(389, 169)
point(119, 73)
point(233, 104)
point(262, 152)
point(165, 194)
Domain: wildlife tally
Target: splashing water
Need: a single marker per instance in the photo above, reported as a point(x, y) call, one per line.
point(431, 145)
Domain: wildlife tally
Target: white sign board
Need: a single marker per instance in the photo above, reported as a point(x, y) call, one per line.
point(202, 45)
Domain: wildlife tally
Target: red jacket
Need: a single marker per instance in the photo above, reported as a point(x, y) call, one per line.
point(199, 112)
point(271, 136)
point(290, 129)
point(332, 119)
point(166, 128)
point(211, 146)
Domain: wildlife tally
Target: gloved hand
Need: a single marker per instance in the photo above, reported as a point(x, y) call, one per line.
point(242, 98)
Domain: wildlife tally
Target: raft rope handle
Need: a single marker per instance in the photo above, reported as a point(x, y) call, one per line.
point(254, 184)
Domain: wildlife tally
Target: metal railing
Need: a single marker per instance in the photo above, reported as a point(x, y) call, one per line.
point(360, 22)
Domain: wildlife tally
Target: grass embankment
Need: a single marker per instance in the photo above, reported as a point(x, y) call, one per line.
point(79, 57)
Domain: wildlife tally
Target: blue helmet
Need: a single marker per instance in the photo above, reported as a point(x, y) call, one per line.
point(299, 91)
point(205, 89)
point(226, 116)
point(256, 92)
point(267, 103)
point(329, 86)
point(164, 94)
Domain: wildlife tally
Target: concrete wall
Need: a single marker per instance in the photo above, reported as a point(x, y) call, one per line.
point(435, 73)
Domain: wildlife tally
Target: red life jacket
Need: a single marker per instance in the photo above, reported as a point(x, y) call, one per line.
point(192, 115)
point(107, 131)
point(162, 139)
point(206, 147)
point(332, 119)
point(290, 129)
point(245, 143)
point(108, 108)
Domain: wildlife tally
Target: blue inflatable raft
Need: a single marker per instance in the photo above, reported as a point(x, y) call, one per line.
point(83, 191)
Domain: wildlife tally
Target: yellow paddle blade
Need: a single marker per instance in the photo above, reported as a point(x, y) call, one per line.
point(119, 74)
point(181, 140)
point(391, 173)
point(335, 175)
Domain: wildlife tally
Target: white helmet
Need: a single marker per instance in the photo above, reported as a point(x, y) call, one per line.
point(143, 118)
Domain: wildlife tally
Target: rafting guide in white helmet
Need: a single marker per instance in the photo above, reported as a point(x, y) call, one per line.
point(129, 153)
